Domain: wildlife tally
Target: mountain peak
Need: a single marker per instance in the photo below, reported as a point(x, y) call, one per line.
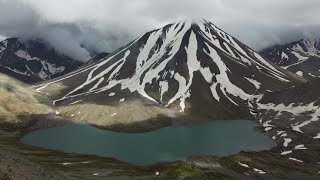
point(184, 66)
point(195, 20)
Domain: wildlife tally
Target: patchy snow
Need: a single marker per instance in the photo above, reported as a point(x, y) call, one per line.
point(112, 94)
point(43, 75)
point(183, 99)
point(52, 68)
point(313, 75)
point(286, 152)
point(317, 136)
point(205, 32)
point(66, 163)
point(294, 159)
point(268, 128)
point(298, 48)
point(87, 162)
point(193, 65)
point(298, 55)
point(295, 110)
point(223, 79)
point(96, 174)
point(244, 165)
point(299, 73)
point(286, 142)
point(314, 117)
point(276, 73)
point(164, 87)
point(267, 124)
point(310, 43)
point(284, 56)
point(122, 100)
point(254, 82)
point(299, 147)
point(113, 114)
point(57, 112)
point(259, 171)
point(24, 55)
point(98, 83)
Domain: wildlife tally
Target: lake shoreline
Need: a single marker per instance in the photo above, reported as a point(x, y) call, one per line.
point(269, 161)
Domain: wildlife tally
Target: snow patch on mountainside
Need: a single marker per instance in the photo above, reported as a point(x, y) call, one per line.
point(254, 82)
point(300, 58)
point(299, 73)
point(25, 55)
point(310, 113)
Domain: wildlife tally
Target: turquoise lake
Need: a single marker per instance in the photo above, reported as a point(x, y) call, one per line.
point(218, 138)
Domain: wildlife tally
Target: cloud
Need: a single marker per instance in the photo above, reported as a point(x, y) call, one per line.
point(2, 37)
point(99, 25)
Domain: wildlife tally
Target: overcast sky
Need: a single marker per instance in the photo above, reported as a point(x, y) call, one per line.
point(105, 25)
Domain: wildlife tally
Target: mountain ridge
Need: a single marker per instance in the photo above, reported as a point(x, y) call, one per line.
point(33, 60)
point(301, 57)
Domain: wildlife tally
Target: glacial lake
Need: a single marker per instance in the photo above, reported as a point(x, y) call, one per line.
point(218, 138)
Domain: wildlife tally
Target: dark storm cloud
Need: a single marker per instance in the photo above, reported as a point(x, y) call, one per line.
point(105, 25)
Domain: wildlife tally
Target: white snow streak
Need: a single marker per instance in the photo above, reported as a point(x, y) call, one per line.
point(223, 79)
point(244, 165)
point(259, 171)
point(294, 159)
point(254, 82)
point(317, 137)
point(286, 152)
point(75, 102)
point(300, 147)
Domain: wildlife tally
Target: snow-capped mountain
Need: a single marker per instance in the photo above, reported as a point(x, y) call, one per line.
point(191, 67)
point(301, 57)
point(33, 61)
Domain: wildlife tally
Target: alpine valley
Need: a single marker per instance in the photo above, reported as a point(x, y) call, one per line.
point(185, 73)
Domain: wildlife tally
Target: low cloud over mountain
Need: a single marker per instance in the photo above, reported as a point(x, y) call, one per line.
point(100, 26)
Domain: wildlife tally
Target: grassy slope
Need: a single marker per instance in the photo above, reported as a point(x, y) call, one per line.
point(17, 100)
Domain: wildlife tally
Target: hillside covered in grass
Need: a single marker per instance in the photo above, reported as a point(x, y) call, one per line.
point(18, 100)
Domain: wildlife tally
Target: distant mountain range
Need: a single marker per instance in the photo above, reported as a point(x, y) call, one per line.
point(33, 61)
point(190, 67)
point(301, 57)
